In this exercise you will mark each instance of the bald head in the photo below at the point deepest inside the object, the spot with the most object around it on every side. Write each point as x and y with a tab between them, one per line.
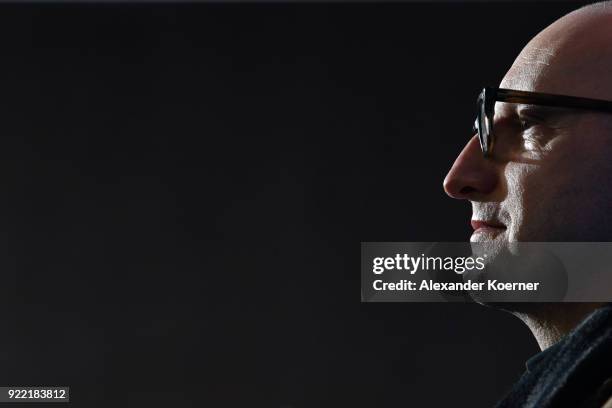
571	56
549	175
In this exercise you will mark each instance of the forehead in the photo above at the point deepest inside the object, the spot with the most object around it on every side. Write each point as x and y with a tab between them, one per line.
530	68
573	56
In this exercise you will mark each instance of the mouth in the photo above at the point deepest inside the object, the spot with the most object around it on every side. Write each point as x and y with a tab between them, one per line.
489	228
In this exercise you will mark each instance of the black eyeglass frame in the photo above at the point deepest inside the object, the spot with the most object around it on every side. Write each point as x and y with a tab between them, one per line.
483	124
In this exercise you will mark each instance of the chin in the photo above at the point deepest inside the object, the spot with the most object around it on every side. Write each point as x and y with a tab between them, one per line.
489	235
490	244
512	262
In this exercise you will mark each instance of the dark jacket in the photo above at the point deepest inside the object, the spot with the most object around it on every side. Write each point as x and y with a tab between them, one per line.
575	372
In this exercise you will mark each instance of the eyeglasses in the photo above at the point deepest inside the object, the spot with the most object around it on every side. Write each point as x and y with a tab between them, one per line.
483	124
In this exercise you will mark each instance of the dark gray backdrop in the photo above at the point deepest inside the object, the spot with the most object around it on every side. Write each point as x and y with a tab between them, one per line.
185	187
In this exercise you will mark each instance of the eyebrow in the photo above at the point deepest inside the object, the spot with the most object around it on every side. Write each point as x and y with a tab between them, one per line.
544	113
510	116
518	109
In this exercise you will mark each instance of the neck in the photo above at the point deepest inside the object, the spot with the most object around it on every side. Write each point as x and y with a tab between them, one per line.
550	322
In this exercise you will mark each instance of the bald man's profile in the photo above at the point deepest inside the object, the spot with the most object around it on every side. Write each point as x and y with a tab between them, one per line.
539	169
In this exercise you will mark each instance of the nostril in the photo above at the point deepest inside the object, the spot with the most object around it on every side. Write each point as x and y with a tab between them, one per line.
467	190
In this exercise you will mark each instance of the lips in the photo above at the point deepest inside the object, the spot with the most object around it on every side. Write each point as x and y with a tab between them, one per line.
487	225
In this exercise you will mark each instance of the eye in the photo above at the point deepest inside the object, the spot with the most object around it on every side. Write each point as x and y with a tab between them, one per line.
525	123
528	119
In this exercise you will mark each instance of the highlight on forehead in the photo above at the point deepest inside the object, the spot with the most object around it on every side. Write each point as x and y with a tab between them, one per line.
573	55
538	55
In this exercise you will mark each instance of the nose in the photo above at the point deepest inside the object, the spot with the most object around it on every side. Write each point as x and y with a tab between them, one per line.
472	176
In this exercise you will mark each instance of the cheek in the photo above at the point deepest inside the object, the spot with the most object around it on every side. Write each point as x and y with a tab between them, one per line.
562	198
584	189
528	196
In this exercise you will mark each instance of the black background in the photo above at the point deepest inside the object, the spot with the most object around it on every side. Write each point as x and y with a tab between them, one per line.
185	187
